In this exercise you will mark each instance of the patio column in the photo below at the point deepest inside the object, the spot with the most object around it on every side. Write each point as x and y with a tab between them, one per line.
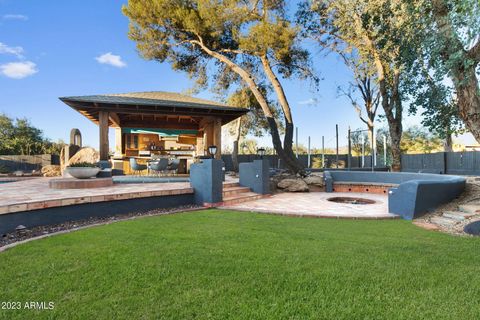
217	137
103	126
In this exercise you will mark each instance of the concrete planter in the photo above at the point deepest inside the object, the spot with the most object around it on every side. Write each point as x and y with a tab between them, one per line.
82	172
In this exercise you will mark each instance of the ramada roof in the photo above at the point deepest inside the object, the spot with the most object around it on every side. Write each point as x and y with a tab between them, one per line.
152	103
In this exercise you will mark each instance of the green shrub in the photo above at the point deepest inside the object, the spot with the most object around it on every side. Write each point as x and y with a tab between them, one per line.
82	165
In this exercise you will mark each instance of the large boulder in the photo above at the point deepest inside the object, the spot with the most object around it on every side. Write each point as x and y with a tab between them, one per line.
51	171
87	154
314	180
293	185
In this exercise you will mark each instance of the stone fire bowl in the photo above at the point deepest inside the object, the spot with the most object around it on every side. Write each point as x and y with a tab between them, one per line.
82	172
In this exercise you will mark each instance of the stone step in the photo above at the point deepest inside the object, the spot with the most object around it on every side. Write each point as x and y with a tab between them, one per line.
442	221
231	191
230	184
470	208
243	197
457	215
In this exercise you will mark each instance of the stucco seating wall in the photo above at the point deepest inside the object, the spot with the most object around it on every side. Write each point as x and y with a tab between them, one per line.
410	195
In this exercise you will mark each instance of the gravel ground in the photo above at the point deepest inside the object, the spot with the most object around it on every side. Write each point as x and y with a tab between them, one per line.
10	238
471	195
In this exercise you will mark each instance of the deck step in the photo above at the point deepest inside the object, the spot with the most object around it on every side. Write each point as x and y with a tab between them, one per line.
230	184
242	197
231	191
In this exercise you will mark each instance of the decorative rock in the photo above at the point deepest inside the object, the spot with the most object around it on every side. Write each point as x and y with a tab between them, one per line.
470	208
293	185
444	222
89	155
456	215
51	171
314	180
18	173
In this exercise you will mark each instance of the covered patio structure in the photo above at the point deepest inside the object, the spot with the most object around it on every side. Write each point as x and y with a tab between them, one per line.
156	124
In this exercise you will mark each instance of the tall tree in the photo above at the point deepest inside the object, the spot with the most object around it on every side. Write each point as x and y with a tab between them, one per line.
249	42
384	33
435	97
18	136
252	123
364	84
455	41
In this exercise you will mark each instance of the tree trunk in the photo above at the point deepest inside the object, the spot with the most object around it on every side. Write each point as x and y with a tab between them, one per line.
236	142
289	126
285	155
392	106
448	143
462	69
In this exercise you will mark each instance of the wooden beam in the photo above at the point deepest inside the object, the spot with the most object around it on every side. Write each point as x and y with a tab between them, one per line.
103	125
217	137
159	125
114	119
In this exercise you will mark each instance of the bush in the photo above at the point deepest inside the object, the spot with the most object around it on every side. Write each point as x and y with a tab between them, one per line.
82	165
4	169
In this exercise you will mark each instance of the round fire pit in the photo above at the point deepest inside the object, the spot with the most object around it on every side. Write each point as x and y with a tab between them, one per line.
473	228
351	200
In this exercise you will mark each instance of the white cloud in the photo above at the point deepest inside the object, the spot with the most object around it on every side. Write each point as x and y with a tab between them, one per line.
16	51
18	70
111	59
15	17
309	102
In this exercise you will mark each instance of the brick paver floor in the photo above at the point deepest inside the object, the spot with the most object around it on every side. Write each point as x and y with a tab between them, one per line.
315	204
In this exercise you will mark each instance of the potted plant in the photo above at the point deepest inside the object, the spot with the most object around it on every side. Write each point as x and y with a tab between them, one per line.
83	170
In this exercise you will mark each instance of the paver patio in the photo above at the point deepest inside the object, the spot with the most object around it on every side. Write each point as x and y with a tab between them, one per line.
35	194
315	204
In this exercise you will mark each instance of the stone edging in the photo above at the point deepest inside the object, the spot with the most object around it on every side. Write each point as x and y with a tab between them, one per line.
35	205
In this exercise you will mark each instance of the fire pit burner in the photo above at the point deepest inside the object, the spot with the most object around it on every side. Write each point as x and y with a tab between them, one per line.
351	200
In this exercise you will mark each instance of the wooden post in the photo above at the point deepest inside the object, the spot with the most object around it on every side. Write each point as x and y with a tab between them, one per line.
103	125
349	159
217	137
118	141
336	139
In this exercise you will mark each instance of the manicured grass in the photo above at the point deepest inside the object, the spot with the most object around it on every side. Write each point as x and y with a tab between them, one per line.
219	264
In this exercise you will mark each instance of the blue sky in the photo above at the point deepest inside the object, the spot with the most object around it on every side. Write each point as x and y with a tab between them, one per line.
53	45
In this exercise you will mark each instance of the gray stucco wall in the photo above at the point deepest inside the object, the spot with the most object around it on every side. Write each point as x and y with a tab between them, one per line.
256	176
416	194
206	178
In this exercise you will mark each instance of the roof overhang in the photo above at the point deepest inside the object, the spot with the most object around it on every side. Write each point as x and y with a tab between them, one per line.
137	112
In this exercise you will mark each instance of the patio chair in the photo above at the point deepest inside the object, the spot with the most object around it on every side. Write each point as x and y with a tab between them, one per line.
174	166
159	166
137	168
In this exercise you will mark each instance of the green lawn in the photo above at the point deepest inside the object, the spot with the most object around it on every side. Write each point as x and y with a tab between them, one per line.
220	264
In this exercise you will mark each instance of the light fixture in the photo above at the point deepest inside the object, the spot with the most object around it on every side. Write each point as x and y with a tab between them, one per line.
212	150
261	152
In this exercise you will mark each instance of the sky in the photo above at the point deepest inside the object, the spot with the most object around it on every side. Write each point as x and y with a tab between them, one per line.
50	49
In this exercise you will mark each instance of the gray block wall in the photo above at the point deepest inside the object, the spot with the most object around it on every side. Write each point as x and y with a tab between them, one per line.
256	176
206	178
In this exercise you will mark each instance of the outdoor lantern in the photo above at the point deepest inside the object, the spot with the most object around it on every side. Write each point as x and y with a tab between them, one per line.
212	150
261	152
